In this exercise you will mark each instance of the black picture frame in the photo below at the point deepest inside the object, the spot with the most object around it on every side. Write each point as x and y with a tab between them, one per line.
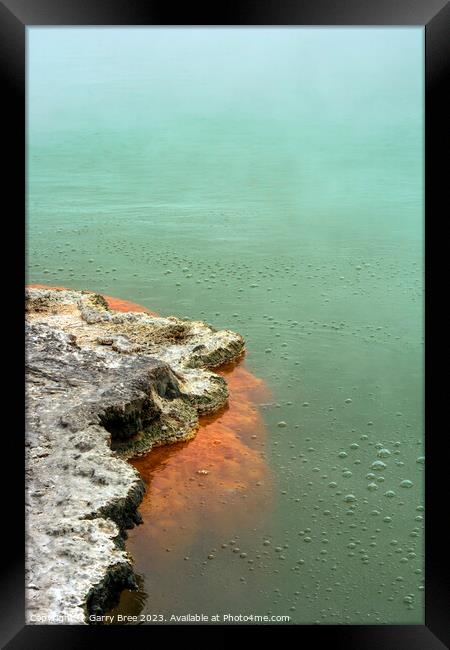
434	16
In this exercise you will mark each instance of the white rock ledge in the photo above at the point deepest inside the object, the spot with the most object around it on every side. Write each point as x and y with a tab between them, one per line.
95	377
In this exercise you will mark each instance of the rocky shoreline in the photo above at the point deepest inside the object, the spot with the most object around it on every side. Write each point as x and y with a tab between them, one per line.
102	386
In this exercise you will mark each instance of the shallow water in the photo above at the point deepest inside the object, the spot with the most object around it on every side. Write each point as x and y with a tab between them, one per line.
269	181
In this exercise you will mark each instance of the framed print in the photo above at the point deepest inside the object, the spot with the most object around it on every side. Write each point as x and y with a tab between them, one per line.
227	404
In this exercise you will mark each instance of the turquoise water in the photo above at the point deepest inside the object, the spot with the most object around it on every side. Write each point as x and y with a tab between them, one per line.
269	181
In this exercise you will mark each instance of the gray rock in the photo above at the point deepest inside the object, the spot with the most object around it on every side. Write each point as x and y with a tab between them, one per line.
101	386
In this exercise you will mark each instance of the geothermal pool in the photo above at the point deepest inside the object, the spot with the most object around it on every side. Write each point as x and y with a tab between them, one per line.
283	200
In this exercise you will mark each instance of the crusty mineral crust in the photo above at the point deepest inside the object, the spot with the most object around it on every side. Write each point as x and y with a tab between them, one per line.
97	378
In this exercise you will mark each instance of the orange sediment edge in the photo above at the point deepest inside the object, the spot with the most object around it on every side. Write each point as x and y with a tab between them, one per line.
217	482
118	304
220	476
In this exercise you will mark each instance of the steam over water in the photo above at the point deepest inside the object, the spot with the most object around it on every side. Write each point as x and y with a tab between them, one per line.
268	181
